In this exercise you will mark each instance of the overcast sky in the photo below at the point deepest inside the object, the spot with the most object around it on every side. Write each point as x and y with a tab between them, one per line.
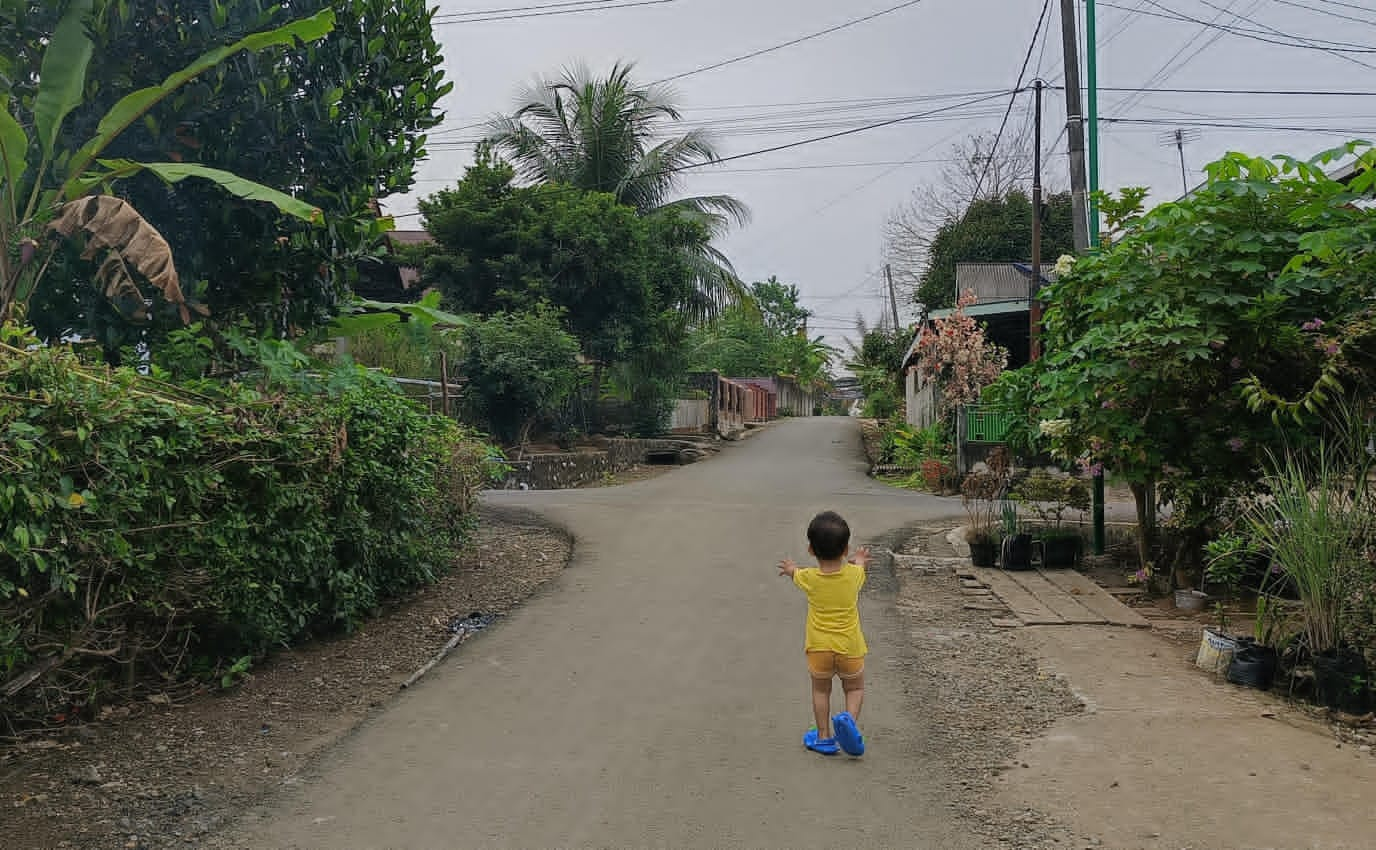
821	227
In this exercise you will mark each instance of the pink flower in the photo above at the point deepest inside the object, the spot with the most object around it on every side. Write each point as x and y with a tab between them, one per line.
1109	404
1312	324
1331	349
1235	363
1236	444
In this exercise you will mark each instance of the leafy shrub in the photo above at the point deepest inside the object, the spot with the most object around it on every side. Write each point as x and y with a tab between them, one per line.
1050	496
156	528
520	367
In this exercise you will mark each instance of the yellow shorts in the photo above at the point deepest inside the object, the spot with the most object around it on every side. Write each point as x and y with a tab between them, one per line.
824	665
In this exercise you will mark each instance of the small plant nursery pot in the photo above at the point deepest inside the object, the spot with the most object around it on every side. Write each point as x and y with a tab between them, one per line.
1340	682
984	553
1190	600
1017	552
1061	552
1254	666
1216	651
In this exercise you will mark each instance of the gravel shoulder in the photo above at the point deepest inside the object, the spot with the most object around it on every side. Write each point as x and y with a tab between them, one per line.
152	775
985	698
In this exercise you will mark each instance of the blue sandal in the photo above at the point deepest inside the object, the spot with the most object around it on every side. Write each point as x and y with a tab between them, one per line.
847	734
825	746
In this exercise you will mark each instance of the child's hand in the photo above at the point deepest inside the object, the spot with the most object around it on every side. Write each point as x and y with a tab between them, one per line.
787	567
862	557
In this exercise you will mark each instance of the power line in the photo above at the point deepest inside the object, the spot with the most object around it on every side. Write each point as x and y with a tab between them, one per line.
447	21
801	142
1340	53
1238	125
540	7
1164	72
1017	87
1296	41
1323	11
853	22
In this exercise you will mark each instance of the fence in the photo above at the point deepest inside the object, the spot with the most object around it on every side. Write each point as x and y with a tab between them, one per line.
978	430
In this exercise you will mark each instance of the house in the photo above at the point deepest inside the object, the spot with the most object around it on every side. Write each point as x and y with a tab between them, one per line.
1003	307
384	279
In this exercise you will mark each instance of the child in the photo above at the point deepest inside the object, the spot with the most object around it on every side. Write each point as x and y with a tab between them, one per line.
834	643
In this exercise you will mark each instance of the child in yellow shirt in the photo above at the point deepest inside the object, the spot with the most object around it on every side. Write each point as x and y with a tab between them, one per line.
834	644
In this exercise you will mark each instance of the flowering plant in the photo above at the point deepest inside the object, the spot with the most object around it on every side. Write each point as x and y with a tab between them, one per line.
958	356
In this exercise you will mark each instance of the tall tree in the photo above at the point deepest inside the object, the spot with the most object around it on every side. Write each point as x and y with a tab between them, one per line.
339	121
974	170
998	230
611	135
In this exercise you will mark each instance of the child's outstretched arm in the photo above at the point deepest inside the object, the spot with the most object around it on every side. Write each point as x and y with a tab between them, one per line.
787	567
862	558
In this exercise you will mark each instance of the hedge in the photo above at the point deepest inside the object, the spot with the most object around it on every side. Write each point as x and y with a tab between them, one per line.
150	531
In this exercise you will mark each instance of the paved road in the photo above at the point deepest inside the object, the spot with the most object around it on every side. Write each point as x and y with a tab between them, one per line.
655	694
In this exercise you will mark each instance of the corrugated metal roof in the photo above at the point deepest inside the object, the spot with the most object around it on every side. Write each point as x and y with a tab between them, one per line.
998	281
410	237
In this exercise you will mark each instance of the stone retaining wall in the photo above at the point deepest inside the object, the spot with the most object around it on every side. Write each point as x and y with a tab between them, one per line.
562	470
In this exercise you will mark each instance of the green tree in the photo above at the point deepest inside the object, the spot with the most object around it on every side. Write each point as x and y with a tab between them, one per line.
504	248
997	230
1171	353
339	120
767	338
520	367
611	135
46	176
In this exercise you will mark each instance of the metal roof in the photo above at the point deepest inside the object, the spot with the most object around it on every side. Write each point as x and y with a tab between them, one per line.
998	281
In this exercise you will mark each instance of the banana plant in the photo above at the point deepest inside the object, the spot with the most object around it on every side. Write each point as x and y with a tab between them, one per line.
50	190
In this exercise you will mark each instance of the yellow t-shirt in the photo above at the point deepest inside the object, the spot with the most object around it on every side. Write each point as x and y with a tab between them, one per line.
833	612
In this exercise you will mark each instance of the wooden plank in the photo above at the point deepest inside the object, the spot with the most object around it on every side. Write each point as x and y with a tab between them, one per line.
1063	604
1096	599
1024	605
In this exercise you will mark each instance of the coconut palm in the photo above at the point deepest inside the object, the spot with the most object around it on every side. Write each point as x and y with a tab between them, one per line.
600	135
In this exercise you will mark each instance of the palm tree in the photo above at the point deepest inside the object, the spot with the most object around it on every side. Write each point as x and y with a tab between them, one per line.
599	134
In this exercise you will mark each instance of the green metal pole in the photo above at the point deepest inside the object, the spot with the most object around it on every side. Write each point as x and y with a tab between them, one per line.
1092	78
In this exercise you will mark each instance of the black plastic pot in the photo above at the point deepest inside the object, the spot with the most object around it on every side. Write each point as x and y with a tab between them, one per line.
1061	552
1017	552
984	553
1341	681
1253	665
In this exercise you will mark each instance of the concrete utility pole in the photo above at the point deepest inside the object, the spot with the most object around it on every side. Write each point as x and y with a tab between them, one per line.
1034	304
1075	126
893	299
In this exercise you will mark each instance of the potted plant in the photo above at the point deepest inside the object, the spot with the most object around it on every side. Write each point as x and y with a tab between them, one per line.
979	495
1017	544
1312	523
1255	661
1049	497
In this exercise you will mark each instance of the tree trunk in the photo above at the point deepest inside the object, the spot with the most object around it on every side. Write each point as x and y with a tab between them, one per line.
1144	497
595	407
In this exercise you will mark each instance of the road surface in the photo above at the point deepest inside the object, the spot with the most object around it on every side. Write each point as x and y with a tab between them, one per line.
655	695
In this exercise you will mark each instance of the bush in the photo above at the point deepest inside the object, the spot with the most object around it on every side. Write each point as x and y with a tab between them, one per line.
150	529
520	367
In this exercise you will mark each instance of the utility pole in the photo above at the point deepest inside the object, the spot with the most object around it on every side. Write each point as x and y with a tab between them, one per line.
1034	304
1075	125
893	299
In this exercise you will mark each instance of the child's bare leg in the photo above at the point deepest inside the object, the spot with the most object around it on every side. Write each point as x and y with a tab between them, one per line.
821	706
855	694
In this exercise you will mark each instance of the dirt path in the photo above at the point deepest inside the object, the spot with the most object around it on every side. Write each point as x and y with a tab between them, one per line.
162	775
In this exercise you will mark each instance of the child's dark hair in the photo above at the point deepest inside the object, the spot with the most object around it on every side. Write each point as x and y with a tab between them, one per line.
829	535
